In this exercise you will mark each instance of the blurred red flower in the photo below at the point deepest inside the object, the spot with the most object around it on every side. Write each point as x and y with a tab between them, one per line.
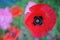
16	11
12	34
40	20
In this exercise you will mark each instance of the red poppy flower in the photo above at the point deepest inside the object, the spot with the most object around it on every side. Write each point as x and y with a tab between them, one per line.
40	20
16	11
12	34
1	37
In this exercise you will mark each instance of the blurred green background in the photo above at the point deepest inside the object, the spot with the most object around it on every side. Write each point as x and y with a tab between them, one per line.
18	22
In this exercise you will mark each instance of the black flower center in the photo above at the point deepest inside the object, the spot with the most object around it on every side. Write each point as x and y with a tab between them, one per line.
38	20
12	34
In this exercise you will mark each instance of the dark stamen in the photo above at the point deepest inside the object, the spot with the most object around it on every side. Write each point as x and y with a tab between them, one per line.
38	20
12	34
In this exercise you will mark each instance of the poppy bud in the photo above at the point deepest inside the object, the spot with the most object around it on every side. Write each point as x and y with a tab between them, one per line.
16	11
39	20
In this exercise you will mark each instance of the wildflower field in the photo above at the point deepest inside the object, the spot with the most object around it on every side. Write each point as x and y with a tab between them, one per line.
13	25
